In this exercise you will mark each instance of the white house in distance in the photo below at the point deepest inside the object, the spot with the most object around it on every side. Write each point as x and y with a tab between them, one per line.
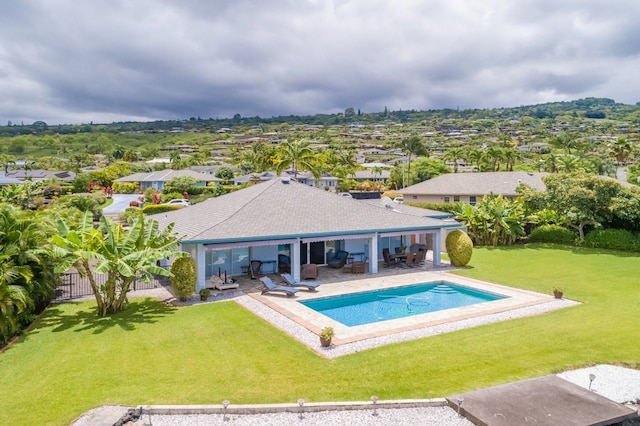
304	223
157	180
470	187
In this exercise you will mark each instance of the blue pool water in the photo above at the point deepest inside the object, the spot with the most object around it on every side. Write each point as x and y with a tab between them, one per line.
399	302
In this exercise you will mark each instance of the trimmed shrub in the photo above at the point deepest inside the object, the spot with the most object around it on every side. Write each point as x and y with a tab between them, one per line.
125	187
441	207
183	280
615	239
160	208
552	234
459	247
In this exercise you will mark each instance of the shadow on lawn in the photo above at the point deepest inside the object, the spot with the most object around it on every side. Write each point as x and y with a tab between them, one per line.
138	311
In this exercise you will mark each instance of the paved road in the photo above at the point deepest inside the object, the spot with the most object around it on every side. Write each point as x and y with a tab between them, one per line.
120	203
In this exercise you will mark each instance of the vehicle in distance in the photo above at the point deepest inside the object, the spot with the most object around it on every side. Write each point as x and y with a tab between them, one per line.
182	202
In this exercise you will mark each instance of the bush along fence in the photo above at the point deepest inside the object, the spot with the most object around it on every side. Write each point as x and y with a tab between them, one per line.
75	286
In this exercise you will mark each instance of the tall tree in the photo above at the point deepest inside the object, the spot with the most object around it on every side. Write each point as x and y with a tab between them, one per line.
122	254
412	146
296	155
454	154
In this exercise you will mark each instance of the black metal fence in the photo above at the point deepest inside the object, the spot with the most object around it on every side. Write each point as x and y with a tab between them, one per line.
75	286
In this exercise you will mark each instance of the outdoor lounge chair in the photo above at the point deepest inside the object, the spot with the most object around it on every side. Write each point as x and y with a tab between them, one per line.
339	260
271	287
311	286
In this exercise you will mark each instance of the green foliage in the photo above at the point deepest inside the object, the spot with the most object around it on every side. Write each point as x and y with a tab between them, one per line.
297	155
160	208
27	277
327	333
224	173
123	255
581	199
179	185
459	247
184	277
615	239
441	207
494	221
130	213
125	187
552	234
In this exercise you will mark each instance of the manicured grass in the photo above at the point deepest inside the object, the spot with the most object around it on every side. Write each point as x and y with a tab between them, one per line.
154	354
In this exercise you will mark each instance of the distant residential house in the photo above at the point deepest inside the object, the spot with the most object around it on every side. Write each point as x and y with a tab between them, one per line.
22	174
325	181
254	177
164	160
4	180
371	175
158	179
470	187
213	169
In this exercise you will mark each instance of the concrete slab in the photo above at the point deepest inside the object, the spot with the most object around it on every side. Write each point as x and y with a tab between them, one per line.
547	400
106	415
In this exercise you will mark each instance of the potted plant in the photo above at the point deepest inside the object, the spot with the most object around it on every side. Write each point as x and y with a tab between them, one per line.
558	292
205	293
325	336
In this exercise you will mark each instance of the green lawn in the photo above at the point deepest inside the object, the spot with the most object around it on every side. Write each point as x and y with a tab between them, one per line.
154	354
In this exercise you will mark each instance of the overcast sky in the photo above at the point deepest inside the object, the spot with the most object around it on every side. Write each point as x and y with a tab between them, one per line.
77	61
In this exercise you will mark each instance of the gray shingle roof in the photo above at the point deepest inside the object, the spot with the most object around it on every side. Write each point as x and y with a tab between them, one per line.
166	176
277	210
504	183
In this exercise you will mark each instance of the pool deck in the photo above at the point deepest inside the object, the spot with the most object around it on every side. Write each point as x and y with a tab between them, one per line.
314	321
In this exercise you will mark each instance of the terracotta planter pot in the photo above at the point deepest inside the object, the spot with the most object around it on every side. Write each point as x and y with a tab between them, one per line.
325	343
558	294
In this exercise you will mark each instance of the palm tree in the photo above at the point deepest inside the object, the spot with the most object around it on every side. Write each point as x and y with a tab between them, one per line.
565	142
294	155
510	157
493	155
474	157
412	146
621	149
454	154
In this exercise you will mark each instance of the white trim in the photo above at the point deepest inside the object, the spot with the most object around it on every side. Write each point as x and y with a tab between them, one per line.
337	238
224	246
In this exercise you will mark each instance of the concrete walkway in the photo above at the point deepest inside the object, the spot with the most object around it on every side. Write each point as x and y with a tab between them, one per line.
545	401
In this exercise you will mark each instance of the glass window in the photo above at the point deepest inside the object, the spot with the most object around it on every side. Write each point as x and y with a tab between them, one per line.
456	198
472	200
446	199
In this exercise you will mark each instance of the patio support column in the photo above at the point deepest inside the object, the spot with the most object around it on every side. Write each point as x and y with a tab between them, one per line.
295	260
200	266
373	254
437	240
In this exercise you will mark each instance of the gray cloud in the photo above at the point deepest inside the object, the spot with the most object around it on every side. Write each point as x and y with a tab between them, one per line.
64	61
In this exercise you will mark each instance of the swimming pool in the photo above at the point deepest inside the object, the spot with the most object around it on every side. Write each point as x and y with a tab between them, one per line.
398	302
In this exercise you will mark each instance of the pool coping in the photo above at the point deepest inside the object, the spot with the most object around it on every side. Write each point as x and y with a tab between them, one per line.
519	303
